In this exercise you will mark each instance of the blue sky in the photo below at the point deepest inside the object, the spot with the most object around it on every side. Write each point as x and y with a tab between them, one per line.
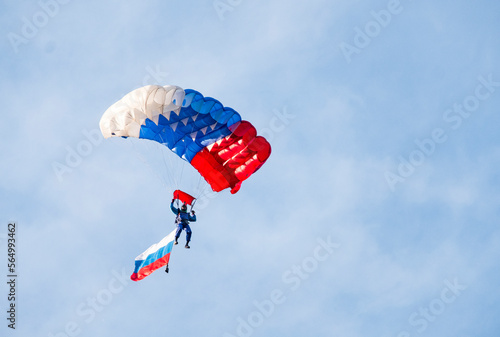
376	214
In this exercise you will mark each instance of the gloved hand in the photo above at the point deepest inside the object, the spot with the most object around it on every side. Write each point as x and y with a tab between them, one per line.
173	201
192	212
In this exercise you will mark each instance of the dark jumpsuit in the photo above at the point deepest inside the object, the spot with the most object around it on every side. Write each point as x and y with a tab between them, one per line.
182	222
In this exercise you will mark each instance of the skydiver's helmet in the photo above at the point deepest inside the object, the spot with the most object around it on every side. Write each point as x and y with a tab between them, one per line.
184	208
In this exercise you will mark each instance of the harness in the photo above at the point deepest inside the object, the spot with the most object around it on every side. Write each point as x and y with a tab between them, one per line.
182	217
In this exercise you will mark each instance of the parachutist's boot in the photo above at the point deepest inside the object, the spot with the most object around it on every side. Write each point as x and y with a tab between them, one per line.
187	245
176	243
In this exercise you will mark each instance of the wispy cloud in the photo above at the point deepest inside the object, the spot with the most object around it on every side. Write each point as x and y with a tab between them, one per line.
335	127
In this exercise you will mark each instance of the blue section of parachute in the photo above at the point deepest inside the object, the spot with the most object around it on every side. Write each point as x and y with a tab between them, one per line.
201	121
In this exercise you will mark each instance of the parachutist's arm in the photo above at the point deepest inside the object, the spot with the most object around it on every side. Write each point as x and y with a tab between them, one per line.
192	218
173	208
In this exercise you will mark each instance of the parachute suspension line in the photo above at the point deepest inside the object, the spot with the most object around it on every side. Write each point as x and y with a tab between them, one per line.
167	161
143	160
198	185
203	192
173	167
164	177
146	148
182	169
204	188
165	165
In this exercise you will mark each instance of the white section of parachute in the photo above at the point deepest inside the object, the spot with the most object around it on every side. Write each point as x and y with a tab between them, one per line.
125	117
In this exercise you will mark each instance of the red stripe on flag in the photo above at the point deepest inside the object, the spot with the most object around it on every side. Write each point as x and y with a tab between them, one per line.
147	270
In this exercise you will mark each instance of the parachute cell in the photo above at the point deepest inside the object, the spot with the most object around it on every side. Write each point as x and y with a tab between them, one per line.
234	158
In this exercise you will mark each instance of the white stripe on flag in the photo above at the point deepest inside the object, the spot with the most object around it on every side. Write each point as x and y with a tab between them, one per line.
154	248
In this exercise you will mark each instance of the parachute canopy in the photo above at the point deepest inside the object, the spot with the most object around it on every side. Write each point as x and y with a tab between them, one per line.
212	138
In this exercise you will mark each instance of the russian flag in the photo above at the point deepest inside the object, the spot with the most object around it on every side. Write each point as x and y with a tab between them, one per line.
153	258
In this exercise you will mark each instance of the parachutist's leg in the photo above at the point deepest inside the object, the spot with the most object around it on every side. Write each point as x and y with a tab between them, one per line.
188	233
178	233
188	236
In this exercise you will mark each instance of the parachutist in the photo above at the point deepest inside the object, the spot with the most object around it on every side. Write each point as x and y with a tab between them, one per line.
182	221
213	139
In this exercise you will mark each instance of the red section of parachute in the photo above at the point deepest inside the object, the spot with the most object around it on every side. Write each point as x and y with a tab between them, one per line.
183	196
231	160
